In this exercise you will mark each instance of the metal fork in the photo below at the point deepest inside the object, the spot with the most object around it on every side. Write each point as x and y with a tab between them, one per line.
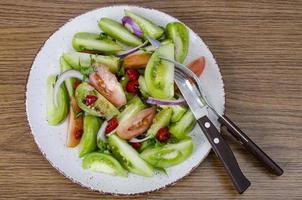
240	136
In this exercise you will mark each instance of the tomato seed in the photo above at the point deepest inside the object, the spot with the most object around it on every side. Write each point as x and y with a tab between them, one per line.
78	134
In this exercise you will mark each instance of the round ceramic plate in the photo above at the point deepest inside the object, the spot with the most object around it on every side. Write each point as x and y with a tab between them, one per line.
51	139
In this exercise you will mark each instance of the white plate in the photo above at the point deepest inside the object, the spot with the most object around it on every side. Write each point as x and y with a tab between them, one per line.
51	139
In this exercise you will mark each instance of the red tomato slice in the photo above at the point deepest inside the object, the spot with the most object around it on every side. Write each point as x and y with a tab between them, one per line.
107	84
198	65
137	124
75	124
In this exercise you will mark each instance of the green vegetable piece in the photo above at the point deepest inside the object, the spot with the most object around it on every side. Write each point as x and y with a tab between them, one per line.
134	106
112	62
119	32
101	144
142	86
104	163
124	80
181	128
83	41
101	107
56	114
161	119
177	112
169	154
159	74
128	157
179	34
77	60
148	27
69	83
147	144
88	142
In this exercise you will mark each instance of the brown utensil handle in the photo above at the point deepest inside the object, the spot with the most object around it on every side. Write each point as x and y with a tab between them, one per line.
244	140
225	154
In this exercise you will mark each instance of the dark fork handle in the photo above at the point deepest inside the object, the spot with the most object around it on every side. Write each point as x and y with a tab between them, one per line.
243	139
225	154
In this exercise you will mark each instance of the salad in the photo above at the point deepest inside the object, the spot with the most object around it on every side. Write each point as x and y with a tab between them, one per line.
124	112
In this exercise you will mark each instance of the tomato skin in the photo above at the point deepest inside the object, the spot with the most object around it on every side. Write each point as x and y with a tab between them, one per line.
136	61
197	66
75	125
107	84
76	83
137	124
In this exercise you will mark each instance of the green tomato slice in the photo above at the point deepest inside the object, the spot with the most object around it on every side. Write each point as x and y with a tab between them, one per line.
104	163
159	74
56	114
169	154
88	142
128	156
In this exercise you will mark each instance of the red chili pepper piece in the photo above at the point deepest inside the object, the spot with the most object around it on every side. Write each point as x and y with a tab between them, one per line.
90	99
132	74
112	124
78	134
163	135
132	87
136	145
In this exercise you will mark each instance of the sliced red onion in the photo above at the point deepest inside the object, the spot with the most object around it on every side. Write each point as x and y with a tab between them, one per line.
101	132
132	26
133	140
155	43
179	101
130	51
62	77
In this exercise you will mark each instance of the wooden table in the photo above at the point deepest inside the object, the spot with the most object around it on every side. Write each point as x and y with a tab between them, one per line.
259	49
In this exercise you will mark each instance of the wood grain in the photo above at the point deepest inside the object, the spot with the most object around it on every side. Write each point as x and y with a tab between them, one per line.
258	45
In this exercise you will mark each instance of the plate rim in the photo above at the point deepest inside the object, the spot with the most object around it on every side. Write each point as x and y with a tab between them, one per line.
57	168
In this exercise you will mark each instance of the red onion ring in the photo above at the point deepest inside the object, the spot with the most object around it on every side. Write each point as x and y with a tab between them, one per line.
130	51
132	26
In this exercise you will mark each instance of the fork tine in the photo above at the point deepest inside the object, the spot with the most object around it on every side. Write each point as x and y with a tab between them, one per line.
181	74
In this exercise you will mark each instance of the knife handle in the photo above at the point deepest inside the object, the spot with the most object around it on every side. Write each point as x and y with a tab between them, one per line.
245	141
225	154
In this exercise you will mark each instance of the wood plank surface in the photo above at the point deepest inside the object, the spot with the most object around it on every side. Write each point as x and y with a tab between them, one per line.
258	45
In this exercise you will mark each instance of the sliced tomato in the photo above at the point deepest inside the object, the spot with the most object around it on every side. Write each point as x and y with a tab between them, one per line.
75	124
136	61
107	84
198	65
137	124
